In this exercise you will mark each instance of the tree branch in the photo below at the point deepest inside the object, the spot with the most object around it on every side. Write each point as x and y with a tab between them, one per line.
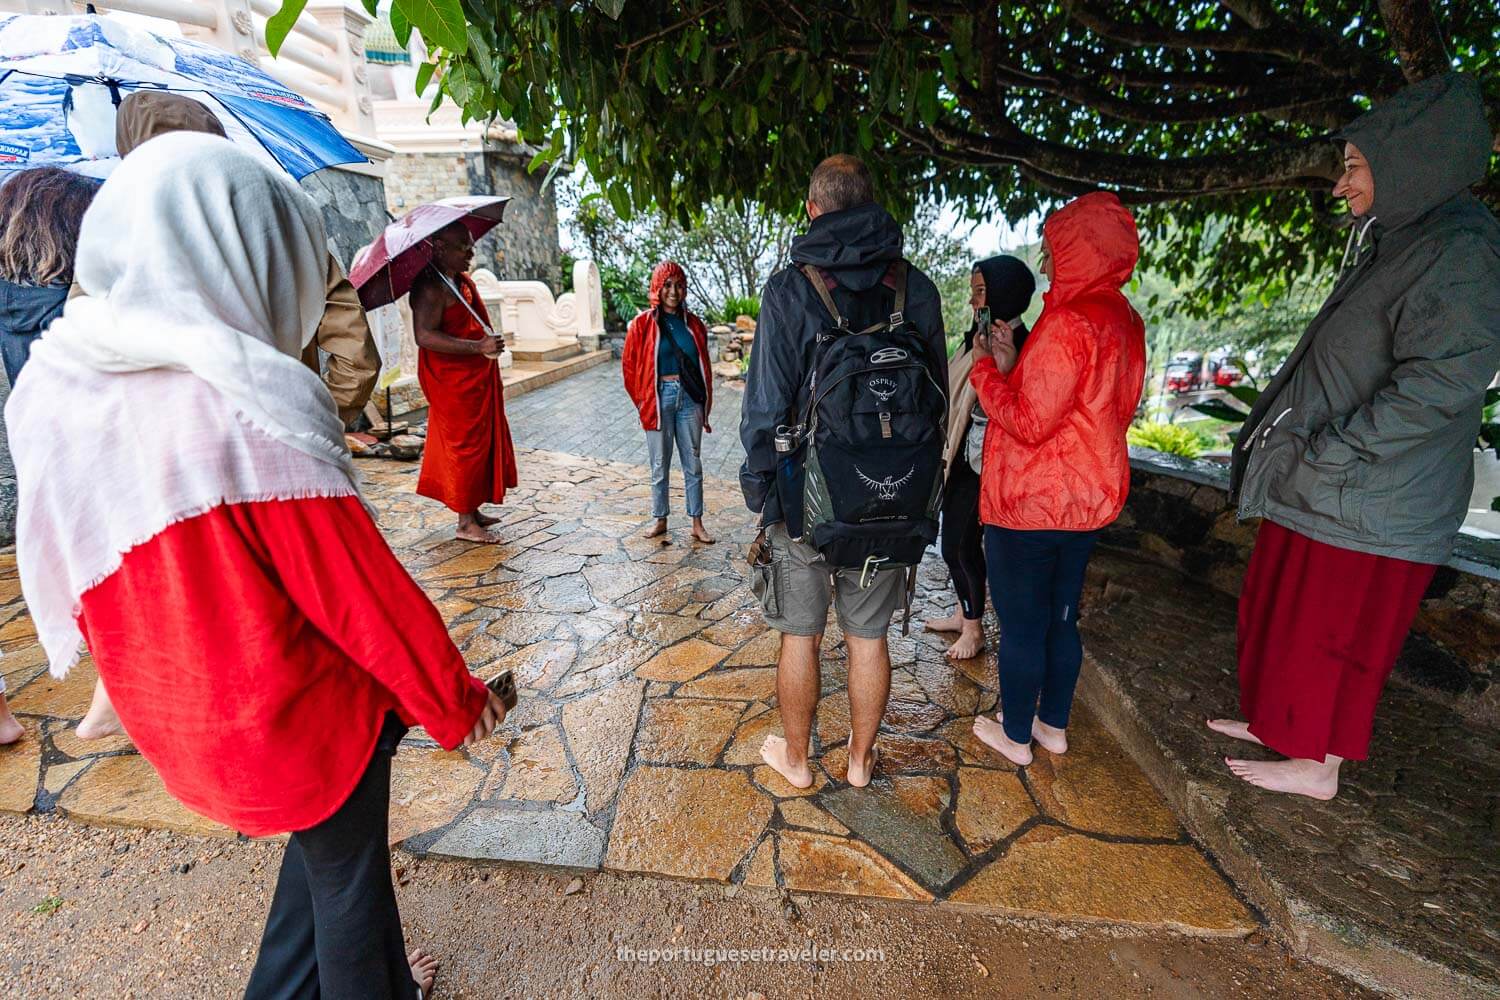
1416	37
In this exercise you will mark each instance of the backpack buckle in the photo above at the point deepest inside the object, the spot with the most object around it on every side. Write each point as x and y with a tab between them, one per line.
897	318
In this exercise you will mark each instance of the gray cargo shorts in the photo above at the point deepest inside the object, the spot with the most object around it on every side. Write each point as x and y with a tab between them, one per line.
797	586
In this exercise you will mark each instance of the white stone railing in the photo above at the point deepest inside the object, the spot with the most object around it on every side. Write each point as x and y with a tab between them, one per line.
323	58
532	320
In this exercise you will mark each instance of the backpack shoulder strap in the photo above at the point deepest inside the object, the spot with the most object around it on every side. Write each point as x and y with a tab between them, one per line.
815	277
898	272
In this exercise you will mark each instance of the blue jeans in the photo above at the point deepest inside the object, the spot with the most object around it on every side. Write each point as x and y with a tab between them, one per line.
15	349
1036	580
680	420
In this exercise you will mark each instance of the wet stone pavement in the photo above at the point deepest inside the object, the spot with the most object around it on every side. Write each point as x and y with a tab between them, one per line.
589	414
647	688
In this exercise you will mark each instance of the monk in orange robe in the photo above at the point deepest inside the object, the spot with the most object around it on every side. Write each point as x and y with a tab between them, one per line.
469	459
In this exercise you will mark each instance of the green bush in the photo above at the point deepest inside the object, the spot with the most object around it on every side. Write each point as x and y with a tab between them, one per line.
740	305
1172	439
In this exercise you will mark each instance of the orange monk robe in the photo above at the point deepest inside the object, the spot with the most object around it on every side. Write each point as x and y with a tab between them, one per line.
469	459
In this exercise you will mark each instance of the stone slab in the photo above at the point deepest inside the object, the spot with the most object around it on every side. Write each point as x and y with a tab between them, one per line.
599	728
126	791
897	831
816	862
687	824
1050	871
428	789
991	806
557	837
685	731
20	769
538	770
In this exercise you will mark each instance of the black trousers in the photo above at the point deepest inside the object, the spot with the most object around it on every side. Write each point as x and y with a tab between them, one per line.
333	932
962	538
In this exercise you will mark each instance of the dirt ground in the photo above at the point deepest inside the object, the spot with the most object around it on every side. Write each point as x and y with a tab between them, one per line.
100	912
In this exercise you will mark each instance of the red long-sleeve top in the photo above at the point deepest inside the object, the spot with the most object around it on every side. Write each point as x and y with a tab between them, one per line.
252	653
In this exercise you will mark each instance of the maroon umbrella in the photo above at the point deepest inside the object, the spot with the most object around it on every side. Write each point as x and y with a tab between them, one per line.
386	271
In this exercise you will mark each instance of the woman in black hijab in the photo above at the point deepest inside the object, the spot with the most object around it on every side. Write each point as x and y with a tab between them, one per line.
1000	288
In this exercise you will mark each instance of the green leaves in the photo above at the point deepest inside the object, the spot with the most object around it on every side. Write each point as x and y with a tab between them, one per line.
279	24
424	76
400	26
927	97
1219	410
673	105
441	22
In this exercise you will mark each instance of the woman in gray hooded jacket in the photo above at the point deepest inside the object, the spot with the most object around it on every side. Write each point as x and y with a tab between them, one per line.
1359	454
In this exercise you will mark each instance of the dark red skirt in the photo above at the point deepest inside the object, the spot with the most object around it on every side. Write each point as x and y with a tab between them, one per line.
1319	631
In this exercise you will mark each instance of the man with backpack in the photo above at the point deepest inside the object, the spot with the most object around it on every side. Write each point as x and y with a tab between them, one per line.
843	424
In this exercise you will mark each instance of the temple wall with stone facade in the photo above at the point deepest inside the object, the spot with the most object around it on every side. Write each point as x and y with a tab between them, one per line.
353	207
523	248
1179	516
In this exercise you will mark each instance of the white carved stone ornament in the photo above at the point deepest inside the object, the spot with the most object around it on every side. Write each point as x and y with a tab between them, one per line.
242	22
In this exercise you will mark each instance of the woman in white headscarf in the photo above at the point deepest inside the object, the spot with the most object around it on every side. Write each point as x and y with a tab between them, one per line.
188	506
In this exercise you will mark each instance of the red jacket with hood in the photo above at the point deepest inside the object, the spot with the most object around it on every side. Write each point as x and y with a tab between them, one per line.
1055	456
639	360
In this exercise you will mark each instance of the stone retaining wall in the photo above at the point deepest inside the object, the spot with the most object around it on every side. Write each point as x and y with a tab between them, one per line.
1179	516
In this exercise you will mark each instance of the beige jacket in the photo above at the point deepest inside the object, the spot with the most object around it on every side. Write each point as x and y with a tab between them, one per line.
961	401
344	334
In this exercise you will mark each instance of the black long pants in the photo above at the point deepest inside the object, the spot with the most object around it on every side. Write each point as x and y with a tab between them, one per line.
1036	581
962	540
333	932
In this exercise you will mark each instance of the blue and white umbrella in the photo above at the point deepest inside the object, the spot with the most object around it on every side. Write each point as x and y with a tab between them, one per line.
62	77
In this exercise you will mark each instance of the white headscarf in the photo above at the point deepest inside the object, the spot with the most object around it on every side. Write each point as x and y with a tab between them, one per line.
173	385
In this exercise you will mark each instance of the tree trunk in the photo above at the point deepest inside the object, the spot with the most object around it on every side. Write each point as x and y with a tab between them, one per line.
1416	36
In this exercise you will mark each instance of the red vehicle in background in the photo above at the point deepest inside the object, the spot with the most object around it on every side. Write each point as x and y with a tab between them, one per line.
1228	374
1184	373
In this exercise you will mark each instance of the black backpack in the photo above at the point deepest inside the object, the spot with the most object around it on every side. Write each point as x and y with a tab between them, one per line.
875	424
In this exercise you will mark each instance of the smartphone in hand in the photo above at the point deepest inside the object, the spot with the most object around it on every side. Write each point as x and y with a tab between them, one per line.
504	685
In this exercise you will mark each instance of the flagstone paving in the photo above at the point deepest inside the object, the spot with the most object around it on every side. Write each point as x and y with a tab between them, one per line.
647	687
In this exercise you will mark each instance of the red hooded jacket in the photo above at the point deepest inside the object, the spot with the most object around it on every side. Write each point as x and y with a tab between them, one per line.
1055	456
639	360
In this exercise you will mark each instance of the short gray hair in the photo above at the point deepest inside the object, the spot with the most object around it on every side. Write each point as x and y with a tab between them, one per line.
839	182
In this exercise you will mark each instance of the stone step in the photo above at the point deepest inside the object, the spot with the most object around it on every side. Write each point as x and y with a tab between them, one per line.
562	352
1388	884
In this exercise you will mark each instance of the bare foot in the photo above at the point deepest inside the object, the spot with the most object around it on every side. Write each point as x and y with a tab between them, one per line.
859	774
424	969
1299	777
1052	739
992	734
970	641
657	529
101	720
953	623
1234	727
10	729
485	520
700	533
775	752
476	533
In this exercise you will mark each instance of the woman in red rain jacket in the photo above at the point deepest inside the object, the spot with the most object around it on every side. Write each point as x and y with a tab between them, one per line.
1056	466
668	375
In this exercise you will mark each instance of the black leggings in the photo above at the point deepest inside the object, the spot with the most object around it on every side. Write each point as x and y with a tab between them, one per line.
963	538
333	932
